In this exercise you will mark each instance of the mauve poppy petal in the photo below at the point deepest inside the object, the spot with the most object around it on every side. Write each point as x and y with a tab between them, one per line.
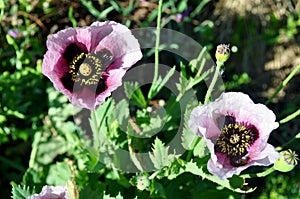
207	121
200	122
51	192
108	39
122	43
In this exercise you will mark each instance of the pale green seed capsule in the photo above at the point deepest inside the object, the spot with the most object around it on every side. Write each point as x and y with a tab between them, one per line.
287	161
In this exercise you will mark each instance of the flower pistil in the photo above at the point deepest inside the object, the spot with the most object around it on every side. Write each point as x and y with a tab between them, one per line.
85	69
234	141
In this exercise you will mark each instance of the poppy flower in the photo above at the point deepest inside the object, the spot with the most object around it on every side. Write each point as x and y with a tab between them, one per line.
236	131
88	63
51	192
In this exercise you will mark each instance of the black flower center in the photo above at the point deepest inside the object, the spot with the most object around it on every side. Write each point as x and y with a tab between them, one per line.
85	69
235	140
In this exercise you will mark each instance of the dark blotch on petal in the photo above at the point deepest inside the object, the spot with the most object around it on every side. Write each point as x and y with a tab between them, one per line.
253	132
72	51
101	86
229	120
69	84
106	58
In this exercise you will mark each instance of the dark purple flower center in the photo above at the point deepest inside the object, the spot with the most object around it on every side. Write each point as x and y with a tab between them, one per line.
86	69
235	140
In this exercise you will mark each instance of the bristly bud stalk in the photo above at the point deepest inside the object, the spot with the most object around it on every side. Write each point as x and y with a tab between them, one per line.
222	53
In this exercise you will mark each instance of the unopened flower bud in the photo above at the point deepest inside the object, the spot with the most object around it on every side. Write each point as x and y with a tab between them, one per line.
287	161
141	182
222	53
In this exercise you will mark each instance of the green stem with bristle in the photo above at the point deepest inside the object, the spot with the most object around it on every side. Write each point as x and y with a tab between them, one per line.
213	82
156	54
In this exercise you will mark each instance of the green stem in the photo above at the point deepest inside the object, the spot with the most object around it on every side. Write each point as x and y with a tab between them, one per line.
297	136
290	117
213	82
194	143
283	84
158	27
259	175
157	42
37	138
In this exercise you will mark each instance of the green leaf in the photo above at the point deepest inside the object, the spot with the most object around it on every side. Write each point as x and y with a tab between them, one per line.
94	11
187	139
236	182
135	94
34	178
160	83
51	148
156	124
121	113
132	154
98	122
194	169
182	6
176	168
119	196
157	191
19	192
59	174
159	155
201	149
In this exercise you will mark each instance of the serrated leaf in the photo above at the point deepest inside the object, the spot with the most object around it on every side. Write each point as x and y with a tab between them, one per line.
121	113
33	177
201	149
187	139
176	168
98	122
19	192
49	149
135	94
159	156
194	169
133	156
119	196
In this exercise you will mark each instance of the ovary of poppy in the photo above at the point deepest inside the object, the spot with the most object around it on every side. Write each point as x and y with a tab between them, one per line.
88	63
236	132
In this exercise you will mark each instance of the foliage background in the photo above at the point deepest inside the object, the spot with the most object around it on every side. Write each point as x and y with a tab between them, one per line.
266	34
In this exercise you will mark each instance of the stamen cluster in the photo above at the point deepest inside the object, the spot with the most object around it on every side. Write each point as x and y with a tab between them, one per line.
234	141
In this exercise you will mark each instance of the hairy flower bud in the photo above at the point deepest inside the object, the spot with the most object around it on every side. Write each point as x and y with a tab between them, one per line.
222	53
